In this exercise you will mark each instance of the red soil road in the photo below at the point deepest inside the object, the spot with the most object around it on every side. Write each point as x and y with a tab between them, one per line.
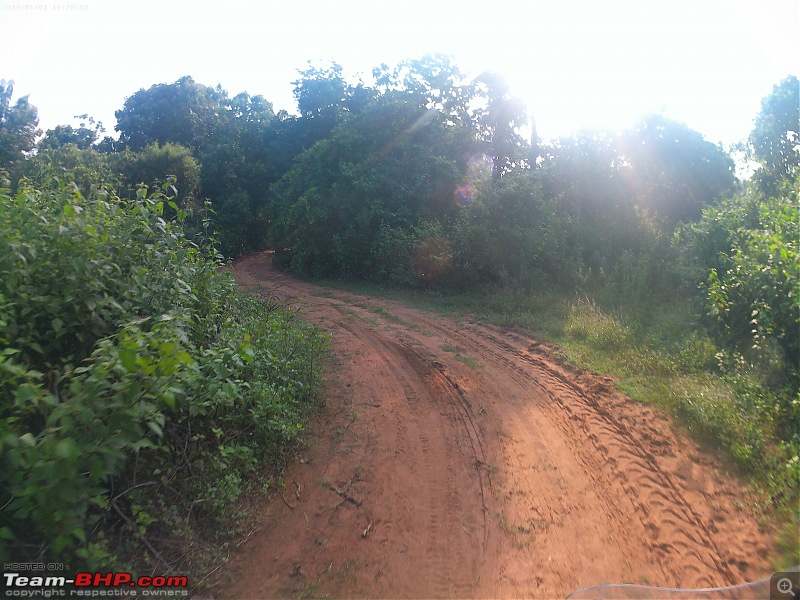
456	460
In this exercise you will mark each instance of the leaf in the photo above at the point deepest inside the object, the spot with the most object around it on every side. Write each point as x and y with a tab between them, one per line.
24	394
28	440
184	357
127	357
67	448
100	501
167	348
248	354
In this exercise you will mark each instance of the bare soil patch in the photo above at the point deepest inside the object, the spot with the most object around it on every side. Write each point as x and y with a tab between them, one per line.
459	460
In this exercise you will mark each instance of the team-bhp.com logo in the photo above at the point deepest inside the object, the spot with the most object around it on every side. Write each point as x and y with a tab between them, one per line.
95	585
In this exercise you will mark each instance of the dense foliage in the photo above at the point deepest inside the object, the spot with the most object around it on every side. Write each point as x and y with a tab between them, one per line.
381	171
138	387
775	140
18	125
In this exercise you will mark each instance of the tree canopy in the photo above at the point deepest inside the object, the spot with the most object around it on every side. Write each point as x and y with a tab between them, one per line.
86	135
672	170
184	112
18	125
775	139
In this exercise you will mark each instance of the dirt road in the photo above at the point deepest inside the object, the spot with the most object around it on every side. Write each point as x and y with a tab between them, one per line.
458	460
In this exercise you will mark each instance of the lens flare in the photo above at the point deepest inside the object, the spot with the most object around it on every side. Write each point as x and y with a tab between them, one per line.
464	195
479	170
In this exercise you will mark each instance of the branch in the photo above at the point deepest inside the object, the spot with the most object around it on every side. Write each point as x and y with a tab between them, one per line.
345	495
137	533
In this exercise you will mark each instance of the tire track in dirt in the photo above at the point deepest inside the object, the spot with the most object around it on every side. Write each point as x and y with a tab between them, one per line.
452	568
554	508
672	508
486	466
665	513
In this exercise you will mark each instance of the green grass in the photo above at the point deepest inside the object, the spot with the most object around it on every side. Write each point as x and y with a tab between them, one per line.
467	360
379	310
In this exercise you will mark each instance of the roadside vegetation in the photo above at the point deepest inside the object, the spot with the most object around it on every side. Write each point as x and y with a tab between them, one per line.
638	252
141	392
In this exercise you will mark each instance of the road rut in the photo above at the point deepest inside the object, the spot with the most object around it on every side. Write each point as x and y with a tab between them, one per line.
454	459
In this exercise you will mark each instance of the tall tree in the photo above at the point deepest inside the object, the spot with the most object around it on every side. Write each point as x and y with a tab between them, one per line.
323	98
239	165
434	82
775	139
499	121
672	170
321	92
18	125
184	112
380	171
584	172
84	136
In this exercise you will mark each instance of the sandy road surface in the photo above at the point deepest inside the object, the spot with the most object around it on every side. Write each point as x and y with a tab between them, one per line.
459	460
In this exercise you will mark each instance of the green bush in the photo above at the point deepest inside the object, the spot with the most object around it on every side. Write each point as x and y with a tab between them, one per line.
87	167
138	387
746	250
380	174
155	164
748	247
756	294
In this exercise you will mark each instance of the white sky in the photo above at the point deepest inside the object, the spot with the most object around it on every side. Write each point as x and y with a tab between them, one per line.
577	63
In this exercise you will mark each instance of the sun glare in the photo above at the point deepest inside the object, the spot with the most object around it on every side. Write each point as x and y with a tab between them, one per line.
575	63
592	65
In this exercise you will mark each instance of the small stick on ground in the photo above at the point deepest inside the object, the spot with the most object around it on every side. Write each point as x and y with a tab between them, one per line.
353	418
286	502
335	506
297	493
345	495
365	533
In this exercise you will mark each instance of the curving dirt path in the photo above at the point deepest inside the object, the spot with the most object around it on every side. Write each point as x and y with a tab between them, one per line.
459	460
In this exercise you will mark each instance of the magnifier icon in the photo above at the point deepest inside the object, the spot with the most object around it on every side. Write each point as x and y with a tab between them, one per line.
784	585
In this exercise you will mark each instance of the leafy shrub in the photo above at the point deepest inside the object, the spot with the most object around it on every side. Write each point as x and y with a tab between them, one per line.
386	169
748	246
86	167
155	164
756	293
138	387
